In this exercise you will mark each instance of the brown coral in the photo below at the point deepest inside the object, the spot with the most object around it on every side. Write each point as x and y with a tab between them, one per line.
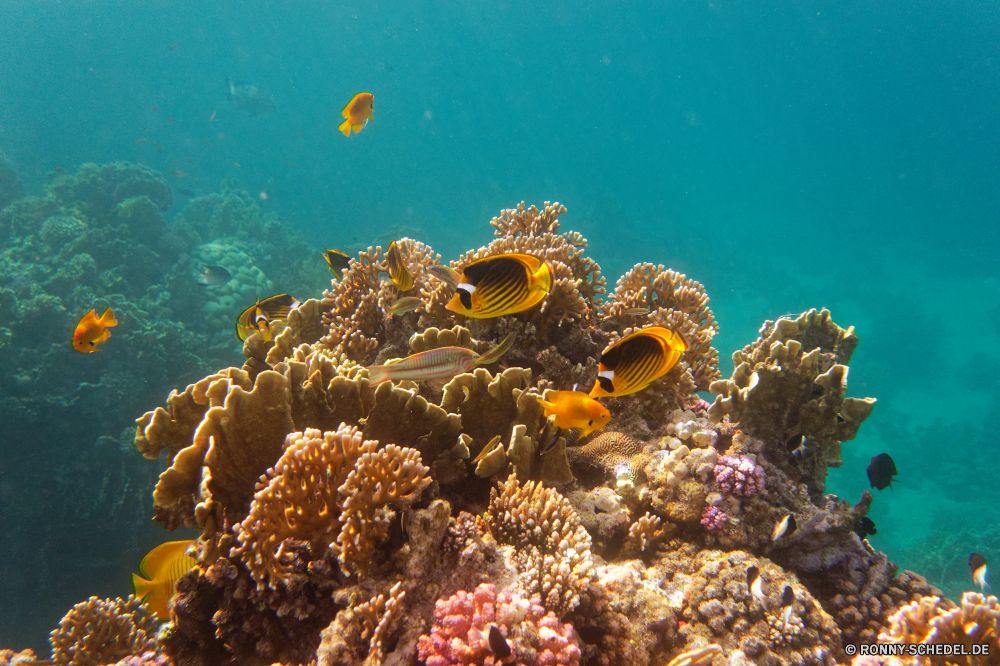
552	549
102	631
933	620
793	381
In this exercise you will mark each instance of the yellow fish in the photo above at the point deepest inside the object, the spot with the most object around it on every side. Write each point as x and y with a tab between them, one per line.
575	409
630	364
160	570
397	268
501	285
258	317
358	112
92	331
337	261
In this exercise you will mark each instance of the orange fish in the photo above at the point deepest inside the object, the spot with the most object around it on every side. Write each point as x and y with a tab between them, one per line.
575	409
160	570
358	112
92	331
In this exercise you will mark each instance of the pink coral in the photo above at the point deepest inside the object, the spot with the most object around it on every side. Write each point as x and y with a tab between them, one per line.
739	475
462	623
713	518
145	659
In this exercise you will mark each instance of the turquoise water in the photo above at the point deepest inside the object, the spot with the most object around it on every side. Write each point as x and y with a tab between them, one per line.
785	154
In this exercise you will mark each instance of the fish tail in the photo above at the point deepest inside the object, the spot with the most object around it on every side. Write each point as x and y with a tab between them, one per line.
141	586
542	279
345	127
108	318
378	374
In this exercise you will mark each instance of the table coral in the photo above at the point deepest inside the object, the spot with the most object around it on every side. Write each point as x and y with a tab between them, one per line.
463	621
101	631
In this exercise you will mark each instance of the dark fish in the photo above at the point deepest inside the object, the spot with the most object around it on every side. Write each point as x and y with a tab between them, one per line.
397	268
501	285
258	317
755	584
787	603
784	526
337	261
633	362
864	527
881	471
796	444
248	97
213	276
977	564
498	644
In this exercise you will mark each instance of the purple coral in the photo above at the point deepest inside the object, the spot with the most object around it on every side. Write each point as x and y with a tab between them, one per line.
739	475
713	518
462	624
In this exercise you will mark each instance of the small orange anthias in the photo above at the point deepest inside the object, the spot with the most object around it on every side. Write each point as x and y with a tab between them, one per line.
358	112
92	331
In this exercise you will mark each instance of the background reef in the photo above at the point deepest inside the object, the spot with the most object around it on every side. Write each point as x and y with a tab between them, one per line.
100	237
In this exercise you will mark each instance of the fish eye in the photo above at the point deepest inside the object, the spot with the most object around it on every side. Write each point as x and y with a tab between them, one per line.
590	422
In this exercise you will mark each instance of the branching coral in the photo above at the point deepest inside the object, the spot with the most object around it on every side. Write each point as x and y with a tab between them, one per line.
102	631
463	622
552	548
932	620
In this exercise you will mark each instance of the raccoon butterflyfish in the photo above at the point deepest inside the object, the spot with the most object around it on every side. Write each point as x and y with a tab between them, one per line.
258	317
397	268
158	574
630	364
337	261
92	331
881	471
501	285
438	364
358	112
213	276
575	409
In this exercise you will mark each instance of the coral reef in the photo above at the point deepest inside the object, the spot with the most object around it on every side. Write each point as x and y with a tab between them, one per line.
10	184
451	522
932	620
101	631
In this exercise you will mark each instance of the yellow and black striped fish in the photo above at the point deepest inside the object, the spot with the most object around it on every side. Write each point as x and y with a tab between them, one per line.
258	317
501	285
630	364
337	261
397	268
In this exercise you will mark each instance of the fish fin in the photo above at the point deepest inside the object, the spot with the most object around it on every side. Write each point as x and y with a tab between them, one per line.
542	279
140	586
377	375
357	127
494	354
549	407
345	127
157	559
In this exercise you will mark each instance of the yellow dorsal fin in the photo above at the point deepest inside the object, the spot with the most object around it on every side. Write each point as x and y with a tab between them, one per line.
158	559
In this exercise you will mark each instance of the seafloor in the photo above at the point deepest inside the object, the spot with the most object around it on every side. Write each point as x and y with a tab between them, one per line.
346	523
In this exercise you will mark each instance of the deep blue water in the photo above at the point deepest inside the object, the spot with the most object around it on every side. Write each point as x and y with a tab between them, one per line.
786	154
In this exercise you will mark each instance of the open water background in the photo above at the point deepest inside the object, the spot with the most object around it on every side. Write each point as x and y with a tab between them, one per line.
787	155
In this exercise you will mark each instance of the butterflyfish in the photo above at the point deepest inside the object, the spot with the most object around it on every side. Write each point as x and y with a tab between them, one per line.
403	305
501	285
881	471
977	564
258	317
446	274
755	584
358	112
630	364
397	268
213	276
438	364
337	261
158	574
92	331
575	409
